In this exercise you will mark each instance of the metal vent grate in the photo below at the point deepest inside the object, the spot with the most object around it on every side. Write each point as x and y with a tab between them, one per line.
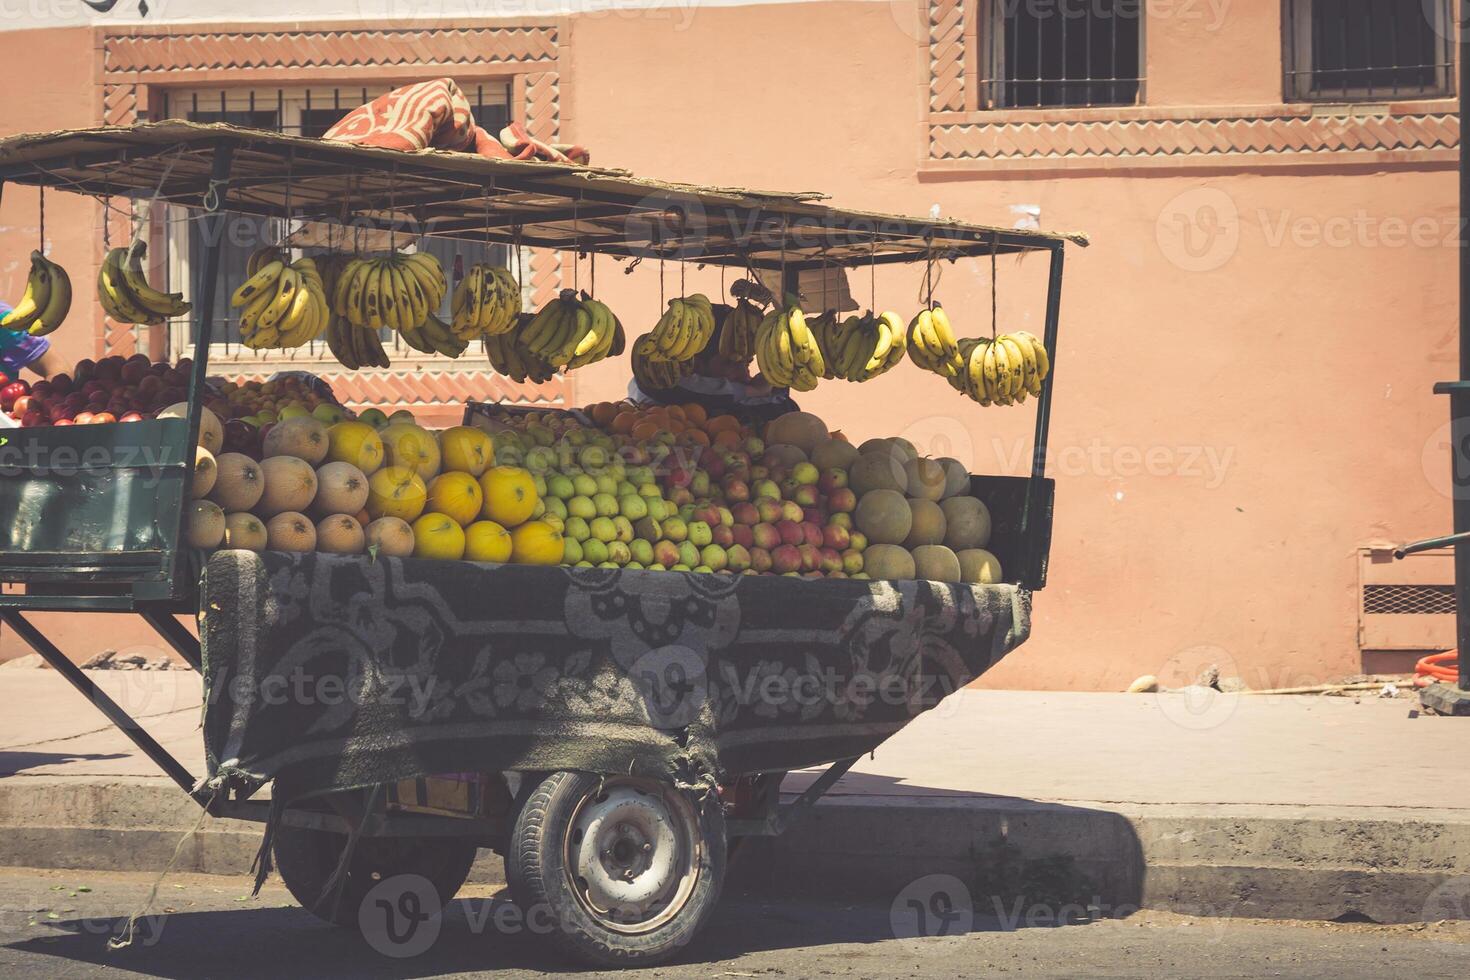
1408	600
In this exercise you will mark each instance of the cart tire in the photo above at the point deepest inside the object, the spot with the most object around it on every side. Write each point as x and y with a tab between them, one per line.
306	860
626	871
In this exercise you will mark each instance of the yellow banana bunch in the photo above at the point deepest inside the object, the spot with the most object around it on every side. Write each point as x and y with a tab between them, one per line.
869	346
685	328
1002	371
396	291
485	302
123	290
737	339
46	302
652	370
932	345
786	350
284	306
829	335
508	355
605	338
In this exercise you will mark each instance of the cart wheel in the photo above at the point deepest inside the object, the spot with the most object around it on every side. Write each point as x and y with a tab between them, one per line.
627	869
306	860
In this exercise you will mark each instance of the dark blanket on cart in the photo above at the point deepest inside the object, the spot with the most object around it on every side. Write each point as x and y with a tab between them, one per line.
327	672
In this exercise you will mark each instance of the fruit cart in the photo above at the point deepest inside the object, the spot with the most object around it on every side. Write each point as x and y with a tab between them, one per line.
592	717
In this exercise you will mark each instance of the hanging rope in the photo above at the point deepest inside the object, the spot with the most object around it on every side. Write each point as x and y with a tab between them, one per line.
42	222
576	243
994	283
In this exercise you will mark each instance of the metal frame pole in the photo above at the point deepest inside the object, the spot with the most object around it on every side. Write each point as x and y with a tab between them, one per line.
115	714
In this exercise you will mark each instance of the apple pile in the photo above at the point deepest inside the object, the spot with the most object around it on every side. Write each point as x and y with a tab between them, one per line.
112	389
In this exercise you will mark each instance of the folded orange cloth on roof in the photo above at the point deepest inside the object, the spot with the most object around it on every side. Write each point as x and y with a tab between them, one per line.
436	115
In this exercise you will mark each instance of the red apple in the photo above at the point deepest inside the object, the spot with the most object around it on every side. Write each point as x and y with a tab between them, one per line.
830	561
807	495
737	558
709	513
746	513
736	490
785	559
743	535
841	520
722	535
769	511
63	422
85	370
791	511
132	372
760	560
32	419
11	392
130	417
836	536
811	557
766	536
814	515
40	389
791	532
842	500
852	561
833	479
25	403
84	418
812	532
103	417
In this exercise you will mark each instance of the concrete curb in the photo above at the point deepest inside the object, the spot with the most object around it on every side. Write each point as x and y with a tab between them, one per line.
1017	858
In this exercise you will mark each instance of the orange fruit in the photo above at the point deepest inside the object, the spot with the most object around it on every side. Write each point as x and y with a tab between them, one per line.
697	436
694	412
676	412
725	439
646	430
603	413
624	422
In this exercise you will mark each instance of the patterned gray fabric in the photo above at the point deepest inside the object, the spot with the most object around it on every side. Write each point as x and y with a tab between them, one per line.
328	672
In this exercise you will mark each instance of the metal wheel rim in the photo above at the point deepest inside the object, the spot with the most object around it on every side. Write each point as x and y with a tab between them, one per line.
606	836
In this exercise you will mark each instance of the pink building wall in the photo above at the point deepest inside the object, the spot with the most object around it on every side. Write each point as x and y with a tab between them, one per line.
1235	415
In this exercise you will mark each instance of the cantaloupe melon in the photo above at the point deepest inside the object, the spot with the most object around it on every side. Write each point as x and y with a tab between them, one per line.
238	483
888	561
206	525
801	429
245	531
290	531
967	522
834	454
924	478
391	536
956	476
884	516
340	534
211	432
206	471
904	448
304	437
290	485
874	445
936	563
979	566
927	524
341	488
877	470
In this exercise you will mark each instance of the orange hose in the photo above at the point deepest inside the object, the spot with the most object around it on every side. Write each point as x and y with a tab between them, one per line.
1429	669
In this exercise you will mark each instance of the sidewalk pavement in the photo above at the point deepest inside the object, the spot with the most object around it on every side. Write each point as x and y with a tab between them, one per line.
1286	807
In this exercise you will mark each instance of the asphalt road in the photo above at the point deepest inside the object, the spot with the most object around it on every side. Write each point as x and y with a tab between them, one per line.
56	924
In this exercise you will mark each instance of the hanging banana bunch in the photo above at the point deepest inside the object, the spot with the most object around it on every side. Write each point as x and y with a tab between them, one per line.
571	331
652	370
737	338
1002	371
46	302
485	302
829	335
508	355
932	345
283	306
867	346
685	328
123	290
787	352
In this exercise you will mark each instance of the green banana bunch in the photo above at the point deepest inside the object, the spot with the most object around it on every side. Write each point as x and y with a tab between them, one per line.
46	302
485	302
124	293
737	339
932	345
509	356
652	370
685	328
786	350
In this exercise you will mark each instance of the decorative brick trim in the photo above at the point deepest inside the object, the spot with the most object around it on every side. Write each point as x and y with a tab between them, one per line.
956	137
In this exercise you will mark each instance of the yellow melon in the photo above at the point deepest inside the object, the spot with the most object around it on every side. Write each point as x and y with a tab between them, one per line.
536	543
357	443
510	495
396	491
487	541
438	536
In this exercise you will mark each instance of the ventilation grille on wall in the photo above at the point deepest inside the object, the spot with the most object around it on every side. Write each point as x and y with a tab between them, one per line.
1408	600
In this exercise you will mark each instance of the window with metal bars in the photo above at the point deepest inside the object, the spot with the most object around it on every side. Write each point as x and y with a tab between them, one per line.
306	112
1062	53
1367	50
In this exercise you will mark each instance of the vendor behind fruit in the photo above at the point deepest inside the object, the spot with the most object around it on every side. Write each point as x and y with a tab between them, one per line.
721	385
19	351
